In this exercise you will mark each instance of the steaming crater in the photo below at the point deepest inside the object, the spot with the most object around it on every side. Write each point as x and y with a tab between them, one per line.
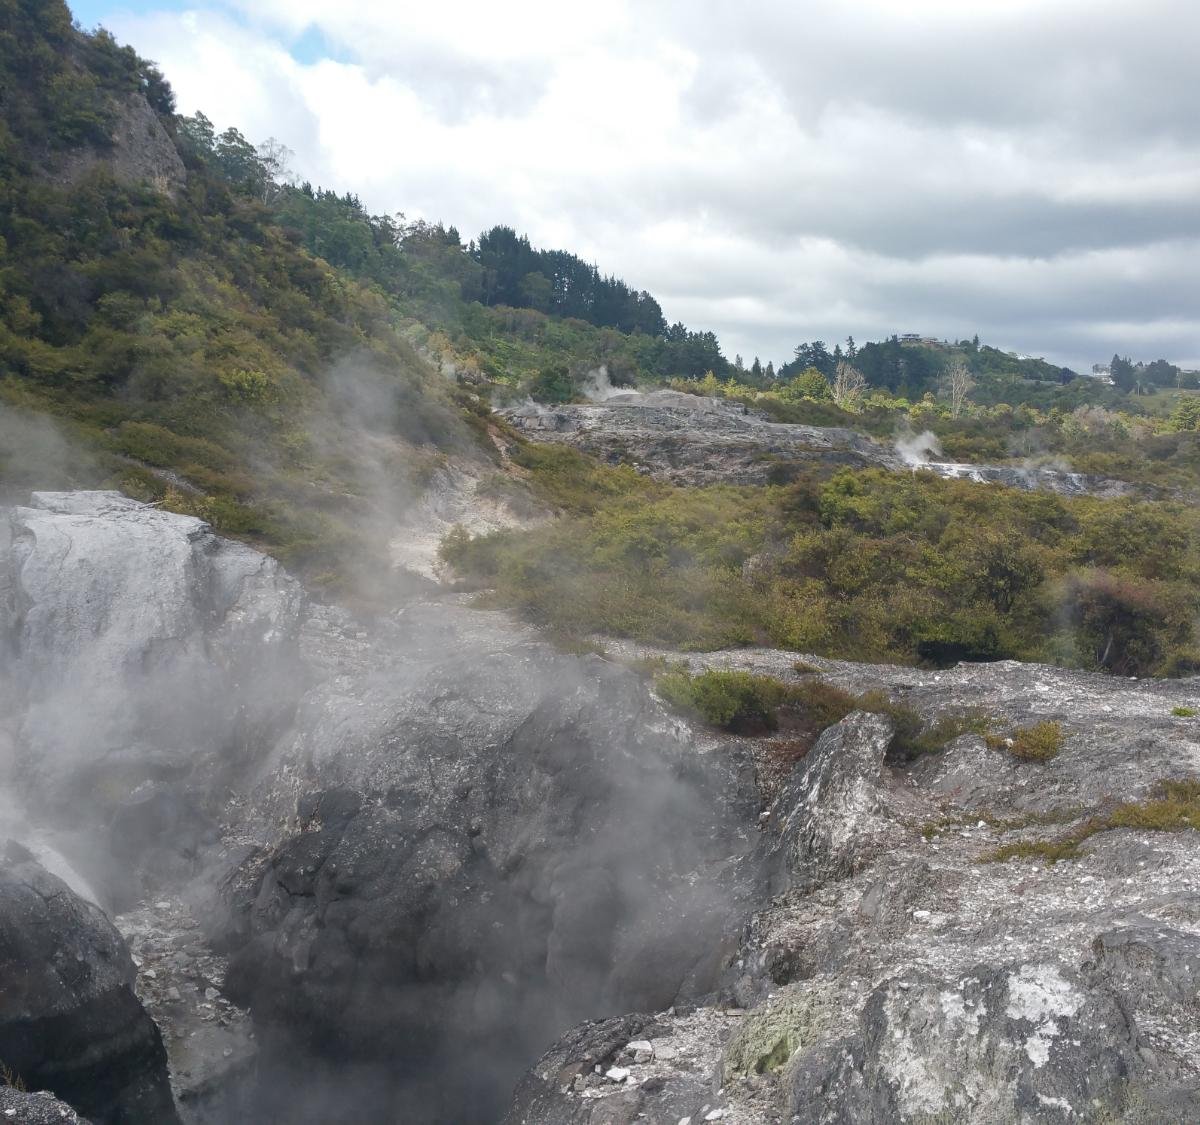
427	844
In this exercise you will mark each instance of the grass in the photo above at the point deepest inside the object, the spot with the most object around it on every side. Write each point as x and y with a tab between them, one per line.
1037	743
1183	712
753	704
1173	807
10	1078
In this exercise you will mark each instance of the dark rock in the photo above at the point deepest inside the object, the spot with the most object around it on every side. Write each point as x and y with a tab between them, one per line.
69	1021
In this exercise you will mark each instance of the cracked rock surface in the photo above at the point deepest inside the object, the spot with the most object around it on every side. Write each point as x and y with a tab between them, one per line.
694	440
899	974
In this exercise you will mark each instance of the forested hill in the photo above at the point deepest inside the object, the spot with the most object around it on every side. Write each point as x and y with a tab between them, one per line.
207	336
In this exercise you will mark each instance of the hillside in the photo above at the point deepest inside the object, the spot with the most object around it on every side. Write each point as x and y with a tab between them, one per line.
182	322
271	358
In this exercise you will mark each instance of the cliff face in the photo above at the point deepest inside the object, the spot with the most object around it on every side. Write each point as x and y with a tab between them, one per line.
141	152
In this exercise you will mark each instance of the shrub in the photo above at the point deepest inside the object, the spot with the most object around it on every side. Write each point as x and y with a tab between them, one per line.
1173	807
737	701
1037	743
1184	712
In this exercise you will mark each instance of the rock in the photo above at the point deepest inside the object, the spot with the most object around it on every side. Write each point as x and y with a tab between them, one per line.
828	812
41	1108
69	1021
1032	1038
895	979
141	152
509	839
695	440
141	652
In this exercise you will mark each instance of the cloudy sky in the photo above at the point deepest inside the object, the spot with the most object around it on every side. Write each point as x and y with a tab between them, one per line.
773	170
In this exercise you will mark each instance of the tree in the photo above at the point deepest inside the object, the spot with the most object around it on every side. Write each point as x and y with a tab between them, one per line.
958	385
553	384
1186	415
810	383
1124	374
276	159
848	386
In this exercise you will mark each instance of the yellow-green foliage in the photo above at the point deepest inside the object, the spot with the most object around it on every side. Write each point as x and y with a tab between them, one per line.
1173	807
734	700
864	565
742	701
1183	712
1037	743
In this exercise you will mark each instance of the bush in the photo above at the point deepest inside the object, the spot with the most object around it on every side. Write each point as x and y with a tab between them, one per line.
736	701
1037	743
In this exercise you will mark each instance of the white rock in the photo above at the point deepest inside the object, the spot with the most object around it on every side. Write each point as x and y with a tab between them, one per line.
617	1073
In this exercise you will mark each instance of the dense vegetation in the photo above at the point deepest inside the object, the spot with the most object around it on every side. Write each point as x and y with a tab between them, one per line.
866	565
270	357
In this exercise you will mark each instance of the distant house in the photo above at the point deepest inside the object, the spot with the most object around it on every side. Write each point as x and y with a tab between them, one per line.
1102	372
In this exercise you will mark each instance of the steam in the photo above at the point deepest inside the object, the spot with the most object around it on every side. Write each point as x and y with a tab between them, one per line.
597	387
151	686
36	453
916	450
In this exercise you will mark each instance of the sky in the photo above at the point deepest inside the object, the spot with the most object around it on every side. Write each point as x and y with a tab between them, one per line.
775	171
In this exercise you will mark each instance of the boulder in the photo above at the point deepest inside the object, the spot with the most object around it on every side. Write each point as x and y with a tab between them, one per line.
69	1020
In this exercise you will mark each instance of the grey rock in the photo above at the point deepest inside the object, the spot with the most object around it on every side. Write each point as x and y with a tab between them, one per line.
141	152
69	1021
695	440
41	1108
829	810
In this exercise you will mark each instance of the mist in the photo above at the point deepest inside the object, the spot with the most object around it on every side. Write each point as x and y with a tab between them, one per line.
533	841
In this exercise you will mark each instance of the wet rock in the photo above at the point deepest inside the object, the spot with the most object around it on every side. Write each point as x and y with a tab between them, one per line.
69	1020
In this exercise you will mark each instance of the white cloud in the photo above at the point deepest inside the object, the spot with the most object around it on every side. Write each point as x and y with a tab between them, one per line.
769	170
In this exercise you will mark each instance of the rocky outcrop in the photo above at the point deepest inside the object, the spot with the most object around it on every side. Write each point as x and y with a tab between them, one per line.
36	1109
513	839
145	660
905	975
694	440
141	152
69	1021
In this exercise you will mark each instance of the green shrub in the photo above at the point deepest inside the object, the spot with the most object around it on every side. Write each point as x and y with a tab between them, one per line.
737	701
1037	743
1184	712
